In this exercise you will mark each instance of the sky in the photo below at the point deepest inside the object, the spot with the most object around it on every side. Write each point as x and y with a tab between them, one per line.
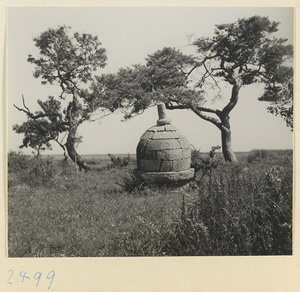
129	35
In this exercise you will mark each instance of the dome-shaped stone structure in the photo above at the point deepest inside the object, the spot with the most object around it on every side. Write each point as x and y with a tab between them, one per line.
163	153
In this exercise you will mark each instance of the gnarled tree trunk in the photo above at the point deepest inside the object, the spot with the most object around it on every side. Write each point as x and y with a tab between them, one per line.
73	116
224	126
228	154
70	145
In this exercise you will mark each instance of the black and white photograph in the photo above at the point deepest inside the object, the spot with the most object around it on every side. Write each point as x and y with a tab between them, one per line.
149	132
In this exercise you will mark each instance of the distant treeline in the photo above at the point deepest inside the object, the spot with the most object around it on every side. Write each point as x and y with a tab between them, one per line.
256	152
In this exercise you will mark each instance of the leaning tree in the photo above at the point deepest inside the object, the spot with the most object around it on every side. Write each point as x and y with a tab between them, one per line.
239	54
243	53
68	60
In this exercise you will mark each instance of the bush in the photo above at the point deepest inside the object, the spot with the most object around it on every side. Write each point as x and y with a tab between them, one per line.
132	183
118	161
238	214
204	165
16	161
29	170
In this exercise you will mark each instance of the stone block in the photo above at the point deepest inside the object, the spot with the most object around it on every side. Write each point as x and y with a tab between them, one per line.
186	152
157	129
147	135
165	177
181	164
170	128
173	154
184	143
163	144
169	154
141	148
165	135
166	166
180	134
149	165
148	155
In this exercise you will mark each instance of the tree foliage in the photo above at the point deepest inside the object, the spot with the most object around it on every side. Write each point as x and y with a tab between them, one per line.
165	77
64	57
239	54
68	60
42	126
280	95
246	52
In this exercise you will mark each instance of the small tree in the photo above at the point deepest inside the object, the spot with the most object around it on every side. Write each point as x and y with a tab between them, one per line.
68	60
239	54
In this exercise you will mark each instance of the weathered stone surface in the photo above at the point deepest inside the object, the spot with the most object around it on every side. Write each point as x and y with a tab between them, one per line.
141	148
181	164
163	119
173	154
157	129
186	152
147	135
170	128
149	154
180	134
149	165
164	154
184	143
165	135
163	144
166	177
166	166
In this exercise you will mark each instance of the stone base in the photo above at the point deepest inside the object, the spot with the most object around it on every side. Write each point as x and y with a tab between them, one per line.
174	177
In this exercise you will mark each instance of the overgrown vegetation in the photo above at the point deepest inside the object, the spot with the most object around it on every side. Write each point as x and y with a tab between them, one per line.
118	161
229	209
239	212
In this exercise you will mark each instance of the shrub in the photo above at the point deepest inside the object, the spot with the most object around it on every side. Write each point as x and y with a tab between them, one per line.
132	183
238	214
16	161
204	165
30	170
118	161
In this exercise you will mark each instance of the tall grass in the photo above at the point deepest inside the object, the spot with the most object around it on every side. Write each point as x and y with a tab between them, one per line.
85	214
238	213
241	209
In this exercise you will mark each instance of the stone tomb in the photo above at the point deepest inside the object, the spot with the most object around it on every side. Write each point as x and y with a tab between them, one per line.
163	153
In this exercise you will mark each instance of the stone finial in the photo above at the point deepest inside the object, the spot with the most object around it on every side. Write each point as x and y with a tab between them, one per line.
162	115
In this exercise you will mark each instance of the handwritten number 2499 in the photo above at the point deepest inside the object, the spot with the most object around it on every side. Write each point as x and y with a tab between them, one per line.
37	276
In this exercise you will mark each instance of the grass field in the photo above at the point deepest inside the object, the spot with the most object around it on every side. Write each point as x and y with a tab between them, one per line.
240	209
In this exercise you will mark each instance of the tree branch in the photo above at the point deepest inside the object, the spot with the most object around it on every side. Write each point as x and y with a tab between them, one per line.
208	110
198	111
209	73
190	72
207	118
28	112
171	106
233	100
101	117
